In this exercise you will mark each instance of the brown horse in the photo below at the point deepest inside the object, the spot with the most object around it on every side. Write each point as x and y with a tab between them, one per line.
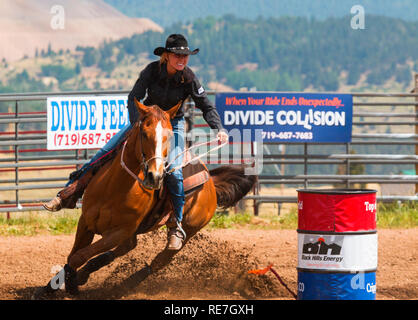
115	203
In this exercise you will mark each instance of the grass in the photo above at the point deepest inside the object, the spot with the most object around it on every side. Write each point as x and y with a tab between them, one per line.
246	219
397	215
390	215
35	223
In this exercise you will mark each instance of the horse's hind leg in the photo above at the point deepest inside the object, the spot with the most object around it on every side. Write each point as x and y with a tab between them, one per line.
104	259
164	257
197	213
159	262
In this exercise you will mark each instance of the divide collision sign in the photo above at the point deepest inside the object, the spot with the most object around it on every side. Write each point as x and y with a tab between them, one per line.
288	117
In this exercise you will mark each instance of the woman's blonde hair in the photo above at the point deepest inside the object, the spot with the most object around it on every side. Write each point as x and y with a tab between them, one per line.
163	57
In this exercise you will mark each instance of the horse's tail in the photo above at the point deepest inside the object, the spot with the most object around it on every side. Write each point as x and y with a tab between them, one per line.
231	184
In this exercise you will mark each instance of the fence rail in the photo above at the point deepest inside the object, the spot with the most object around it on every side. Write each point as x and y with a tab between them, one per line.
16	158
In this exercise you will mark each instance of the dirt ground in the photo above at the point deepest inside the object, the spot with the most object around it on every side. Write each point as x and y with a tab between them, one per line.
213	266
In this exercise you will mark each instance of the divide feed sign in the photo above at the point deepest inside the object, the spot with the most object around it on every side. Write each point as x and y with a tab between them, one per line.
288	117
84	122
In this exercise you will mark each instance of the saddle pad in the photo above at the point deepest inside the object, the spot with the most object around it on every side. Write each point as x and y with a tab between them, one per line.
196	180
195	173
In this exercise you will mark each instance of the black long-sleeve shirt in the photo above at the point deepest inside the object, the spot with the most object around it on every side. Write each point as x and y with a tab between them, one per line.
166	92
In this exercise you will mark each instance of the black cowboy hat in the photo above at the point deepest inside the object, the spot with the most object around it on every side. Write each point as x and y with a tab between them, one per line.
175	43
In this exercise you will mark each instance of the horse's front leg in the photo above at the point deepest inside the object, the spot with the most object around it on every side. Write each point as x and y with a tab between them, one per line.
104	259
109	240
83	238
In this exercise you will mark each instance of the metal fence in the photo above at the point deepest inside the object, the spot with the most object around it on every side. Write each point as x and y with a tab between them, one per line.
23	149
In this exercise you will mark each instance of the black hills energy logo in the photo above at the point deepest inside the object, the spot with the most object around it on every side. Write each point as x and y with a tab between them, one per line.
322	248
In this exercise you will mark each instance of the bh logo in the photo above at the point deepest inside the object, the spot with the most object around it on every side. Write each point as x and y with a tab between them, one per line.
321	247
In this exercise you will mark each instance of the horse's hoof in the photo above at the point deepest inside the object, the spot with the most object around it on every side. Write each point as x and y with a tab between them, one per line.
71	285
72	290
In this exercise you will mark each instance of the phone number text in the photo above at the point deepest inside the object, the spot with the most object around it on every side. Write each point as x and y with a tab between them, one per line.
84	139
287	135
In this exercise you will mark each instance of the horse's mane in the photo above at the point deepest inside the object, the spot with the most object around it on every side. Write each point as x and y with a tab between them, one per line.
157	111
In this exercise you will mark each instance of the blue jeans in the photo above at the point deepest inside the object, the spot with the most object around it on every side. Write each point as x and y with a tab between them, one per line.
109	146
174	180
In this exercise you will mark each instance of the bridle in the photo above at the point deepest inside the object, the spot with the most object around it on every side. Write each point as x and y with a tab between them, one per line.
143	164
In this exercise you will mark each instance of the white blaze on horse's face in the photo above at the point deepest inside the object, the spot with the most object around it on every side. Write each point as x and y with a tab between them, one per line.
156	163
159	163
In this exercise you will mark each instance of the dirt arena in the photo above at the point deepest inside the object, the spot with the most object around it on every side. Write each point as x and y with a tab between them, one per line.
213	266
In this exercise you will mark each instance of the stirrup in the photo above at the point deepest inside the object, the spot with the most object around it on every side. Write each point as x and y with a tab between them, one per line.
53	205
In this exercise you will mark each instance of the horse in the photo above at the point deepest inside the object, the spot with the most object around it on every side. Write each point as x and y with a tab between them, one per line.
118	205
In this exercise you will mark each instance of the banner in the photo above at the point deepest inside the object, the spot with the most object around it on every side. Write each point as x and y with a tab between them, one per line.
288	117
84	122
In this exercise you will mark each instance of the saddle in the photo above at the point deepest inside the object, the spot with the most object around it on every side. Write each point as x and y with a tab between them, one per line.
195	175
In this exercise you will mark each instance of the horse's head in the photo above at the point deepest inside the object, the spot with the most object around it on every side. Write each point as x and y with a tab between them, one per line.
155	135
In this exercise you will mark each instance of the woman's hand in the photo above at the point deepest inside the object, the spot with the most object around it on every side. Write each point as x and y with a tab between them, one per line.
222	136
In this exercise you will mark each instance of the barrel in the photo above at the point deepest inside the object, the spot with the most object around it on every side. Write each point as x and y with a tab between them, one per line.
337	244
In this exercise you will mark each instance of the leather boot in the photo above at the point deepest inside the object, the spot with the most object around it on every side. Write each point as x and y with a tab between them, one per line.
175	238
68	197
53	205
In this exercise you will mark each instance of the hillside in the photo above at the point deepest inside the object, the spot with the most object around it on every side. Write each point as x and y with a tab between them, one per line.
27	26
167	12
294	54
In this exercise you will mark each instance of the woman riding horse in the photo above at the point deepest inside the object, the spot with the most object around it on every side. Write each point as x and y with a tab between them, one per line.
166	82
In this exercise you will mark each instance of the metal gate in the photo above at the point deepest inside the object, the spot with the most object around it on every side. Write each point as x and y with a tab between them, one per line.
380	119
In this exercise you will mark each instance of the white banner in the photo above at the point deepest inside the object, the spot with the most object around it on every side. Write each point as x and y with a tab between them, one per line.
337	252
85	122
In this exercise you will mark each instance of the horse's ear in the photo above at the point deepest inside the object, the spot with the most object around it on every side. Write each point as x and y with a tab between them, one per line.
141	108
173	111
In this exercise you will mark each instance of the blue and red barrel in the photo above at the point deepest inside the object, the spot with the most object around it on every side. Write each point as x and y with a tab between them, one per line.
337	244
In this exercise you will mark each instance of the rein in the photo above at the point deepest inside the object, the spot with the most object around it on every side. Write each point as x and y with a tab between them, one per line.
145	163
133	175
196	157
